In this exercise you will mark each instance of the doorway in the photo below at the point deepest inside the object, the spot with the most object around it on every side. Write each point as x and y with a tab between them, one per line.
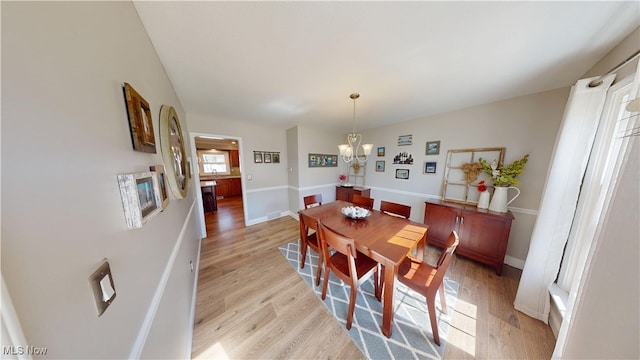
218	167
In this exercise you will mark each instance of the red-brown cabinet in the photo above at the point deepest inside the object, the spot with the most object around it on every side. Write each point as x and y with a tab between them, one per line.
483	234
346	193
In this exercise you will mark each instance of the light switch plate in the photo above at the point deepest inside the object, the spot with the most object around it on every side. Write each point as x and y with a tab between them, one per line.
104	290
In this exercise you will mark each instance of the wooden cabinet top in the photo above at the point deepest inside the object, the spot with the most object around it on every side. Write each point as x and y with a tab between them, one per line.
508	214
359	188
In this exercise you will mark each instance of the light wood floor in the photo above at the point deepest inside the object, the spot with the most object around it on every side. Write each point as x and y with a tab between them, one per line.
251	304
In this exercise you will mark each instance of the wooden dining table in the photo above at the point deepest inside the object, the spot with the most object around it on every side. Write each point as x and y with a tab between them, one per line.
383	237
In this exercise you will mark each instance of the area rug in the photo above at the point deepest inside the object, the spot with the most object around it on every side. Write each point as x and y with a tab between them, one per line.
411	334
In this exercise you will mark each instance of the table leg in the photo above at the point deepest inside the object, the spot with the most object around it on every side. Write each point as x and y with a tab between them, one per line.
422	244
387	306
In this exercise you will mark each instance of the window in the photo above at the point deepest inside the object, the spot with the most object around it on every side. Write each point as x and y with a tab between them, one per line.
214	162
603	167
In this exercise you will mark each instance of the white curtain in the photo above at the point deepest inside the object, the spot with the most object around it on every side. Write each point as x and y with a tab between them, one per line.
560	196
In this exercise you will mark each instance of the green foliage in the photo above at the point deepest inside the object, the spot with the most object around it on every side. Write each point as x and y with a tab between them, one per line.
505	176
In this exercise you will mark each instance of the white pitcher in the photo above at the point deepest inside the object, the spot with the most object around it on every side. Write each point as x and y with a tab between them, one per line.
499	201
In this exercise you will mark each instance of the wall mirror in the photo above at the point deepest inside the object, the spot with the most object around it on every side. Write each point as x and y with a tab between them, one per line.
463	172
173	151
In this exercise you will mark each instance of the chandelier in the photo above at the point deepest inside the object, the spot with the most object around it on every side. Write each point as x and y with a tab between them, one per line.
351	150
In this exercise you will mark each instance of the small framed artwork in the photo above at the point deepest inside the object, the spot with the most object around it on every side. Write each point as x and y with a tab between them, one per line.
380	166
267	157
275	157
141	197
429	167
257	156
381	151
140	121
402	174
405	140
433	148
162	183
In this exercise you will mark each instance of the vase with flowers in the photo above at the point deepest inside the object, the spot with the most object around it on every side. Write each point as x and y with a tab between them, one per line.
483	200
343	180
503	179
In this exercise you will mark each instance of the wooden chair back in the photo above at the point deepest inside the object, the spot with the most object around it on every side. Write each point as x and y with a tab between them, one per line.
362	201
395	209
307	240
351	266
312	200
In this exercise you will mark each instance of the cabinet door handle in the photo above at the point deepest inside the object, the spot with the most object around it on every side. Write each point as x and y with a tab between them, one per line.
457	219
461	220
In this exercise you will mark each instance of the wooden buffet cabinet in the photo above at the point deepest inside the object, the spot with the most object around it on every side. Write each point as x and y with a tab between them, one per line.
346	193
483	234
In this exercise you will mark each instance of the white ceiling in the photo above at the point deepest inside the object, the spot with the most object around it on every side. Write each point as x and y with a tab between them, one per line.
288	63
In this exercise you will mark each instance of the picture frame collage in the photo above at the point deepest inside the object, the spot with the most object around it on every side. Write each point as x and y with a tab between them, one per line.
266	157
429	167
323	160
145	194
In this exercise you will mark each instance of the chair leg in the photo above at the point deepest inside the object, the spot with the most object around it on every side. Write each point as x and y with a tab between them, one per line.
352	305
431	306
303	253
443	300
319	271
325	283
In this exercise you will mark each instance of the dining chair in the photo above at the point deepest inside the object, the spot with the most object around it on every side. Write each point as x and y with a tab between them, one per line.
395	209
350	265
426	279
312	241
312	200
362	201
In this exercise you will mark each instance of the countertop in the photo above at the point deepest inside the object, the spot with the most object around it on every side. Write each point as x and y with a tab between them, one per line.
204	183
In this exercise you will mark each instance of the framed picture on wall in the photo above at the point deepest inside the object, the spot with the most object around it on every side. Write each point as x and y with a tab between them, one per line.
257	156
140	121
433	148
141	199
402	174
380	166
162	183
429	167
381	151
405	140
267	157
323	160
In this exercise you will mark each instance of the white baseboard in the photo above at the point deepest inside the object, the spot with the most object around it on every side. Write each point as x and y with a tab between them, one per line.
515	262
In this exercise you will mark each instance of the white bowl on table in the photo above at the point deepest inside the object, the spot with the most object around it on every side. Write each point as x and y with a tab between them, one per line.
355	212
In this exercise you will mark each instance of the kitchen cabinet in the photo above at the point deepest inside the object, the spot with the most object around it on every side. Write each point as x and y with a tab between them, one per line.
234	158
236	186
229	187
483	234
346	193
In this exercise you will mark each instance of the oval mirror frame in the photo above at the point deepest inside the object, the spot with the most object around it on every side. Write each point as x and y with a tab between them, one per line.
173	151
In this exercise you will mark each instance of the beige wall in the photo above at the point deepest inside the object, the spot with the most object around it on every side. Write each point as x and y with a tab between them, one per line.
65	137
